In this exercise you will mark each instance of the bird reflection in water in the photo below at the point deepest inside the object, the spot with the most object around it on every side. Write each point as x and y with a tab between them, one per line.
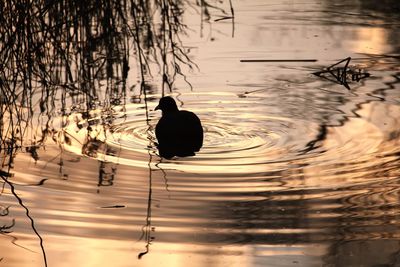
179	132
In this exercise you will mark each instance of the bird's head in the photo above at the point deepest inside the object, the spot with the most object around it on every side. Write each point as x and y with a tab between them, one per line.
167	105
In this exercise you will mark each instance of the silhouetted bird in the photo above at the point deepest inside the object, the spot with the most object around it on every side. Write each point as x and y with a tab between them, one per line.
179	132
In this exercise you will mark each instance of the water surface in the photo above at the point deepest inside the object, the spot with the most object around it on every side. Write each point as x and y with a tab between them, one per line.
295	170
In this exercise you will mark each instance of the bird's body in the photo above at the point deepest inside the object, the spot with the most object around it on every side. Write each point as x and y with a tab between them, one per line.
179	132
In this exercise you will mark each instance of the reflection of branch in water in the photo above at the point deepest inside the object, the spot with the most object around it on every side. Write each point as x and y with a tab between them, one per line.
70	50
4	211
28	215
233	18
164	173
6	230
14	242
205	14
323	128
4	175
147	228
315	143
106	178
392	84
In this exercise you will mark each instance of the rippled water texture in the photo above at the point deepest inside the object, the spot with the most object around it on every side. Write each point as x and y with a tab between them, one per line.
295	170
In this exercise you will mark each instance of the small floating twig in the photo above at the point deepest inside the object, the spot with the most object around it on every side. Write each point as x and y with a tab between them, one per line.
224	18
113	207
340	74
278	60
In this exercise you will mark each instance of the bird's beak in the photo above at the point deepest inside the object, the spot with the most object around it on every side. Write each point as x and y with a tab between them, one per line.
157	108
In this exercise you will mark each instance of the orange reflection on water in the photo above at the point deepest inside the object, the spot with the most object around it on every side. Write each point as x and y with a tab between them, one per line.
370	40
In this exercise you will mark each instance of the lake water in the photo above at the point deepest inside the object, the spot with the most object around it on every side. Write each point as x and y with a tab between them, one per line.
295	170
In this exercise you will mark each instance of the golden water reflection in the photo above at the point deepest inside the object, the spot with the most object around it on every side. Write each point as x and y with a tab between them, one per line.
295	171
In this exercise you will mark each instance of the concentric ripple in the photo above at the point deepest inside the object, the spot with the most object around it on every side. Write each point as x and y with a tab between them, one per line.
242	136
253	138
